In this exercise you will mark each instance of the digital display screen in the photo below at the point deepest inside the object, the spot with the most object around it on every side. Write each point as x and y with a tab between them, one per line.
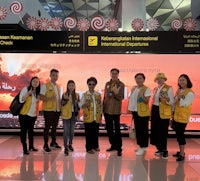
17	70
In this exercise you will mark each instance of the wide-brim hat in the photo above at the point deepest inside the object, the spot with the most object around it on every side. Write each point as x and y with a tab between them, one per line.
160	75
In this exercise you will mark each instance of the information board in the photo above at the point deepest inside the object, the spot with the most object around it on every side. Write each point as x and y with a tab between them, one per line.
100	42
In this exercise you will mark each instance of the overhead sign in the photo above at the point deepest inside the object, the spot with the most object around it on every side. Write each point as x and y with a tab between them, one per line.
99	42
41	42
143	42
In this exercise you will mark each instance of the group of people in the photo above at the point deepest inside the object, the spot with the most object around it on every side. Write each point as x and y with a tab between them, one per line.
68	106
165	106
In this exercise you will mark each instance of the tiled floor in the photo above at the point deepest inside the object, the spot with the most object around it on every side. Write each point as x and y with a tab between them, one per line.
102	166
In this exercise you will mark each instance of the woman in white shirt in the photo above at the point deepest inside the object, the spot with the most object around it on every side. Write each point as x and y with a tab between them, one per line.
139	106
183	105
28	114
161	114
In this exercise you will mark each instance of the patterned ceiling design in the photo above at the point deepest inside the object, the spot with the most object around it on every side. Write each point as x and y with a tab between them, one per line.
51	14
165	11
81	8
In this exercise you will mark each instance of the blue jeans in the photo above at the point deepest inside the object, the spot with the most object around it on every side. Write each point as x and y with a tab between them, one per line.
68	126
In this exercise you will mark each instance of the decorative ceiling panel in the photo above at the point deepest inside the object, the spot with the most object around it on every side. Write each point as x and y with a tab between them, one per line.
79	9
165	11
168	10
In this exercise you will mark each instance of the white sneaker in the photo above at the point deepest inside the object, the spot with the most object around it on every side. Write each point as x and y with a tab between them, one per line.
140	151
145	149
137	149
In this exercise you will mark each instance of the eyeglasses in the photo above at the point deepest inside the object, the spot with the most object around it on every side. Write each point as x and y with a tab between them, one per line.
91	84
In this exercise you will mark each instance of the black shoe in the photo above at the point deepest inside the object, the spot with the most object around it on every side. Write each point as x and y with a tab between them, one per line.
66	153
47	149
180	158
26	152
111	149
96	149
55	146
71	148
90	152
33	149
165	155
119	153
177	154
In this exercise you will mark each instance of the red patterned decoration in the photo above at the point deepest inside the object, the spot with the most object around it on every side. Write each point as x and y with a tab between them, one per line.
176	24
32	23
112	24
16	7
70	23
56	23
152	24
98	23
3	13
190	24
137	24
83	24
43	24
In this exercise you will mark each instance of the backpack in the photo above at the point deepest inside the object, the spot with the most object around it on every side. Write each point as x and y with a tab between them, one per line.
16	106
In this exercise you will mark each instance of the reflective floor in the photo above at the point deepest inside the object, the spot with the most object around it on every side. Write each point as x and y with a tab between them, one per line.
102	166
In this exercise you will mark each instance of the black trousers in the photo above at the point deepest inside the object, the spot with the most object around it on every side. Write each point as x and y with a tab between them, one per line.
26	127
51	121
113	130
141	128
159	130
180	130
91	135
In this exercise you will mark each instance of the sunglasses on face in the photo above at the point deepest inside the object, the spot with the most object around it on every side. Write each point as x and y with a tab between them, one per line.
91	84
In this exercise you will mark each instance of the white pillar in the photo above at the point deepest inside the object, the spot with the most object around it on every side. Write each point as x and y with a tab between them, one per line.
132	9
195	9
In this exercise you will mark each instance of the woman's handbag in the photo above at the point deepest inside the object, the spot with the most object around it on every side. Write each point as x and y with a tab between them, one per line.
16	106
